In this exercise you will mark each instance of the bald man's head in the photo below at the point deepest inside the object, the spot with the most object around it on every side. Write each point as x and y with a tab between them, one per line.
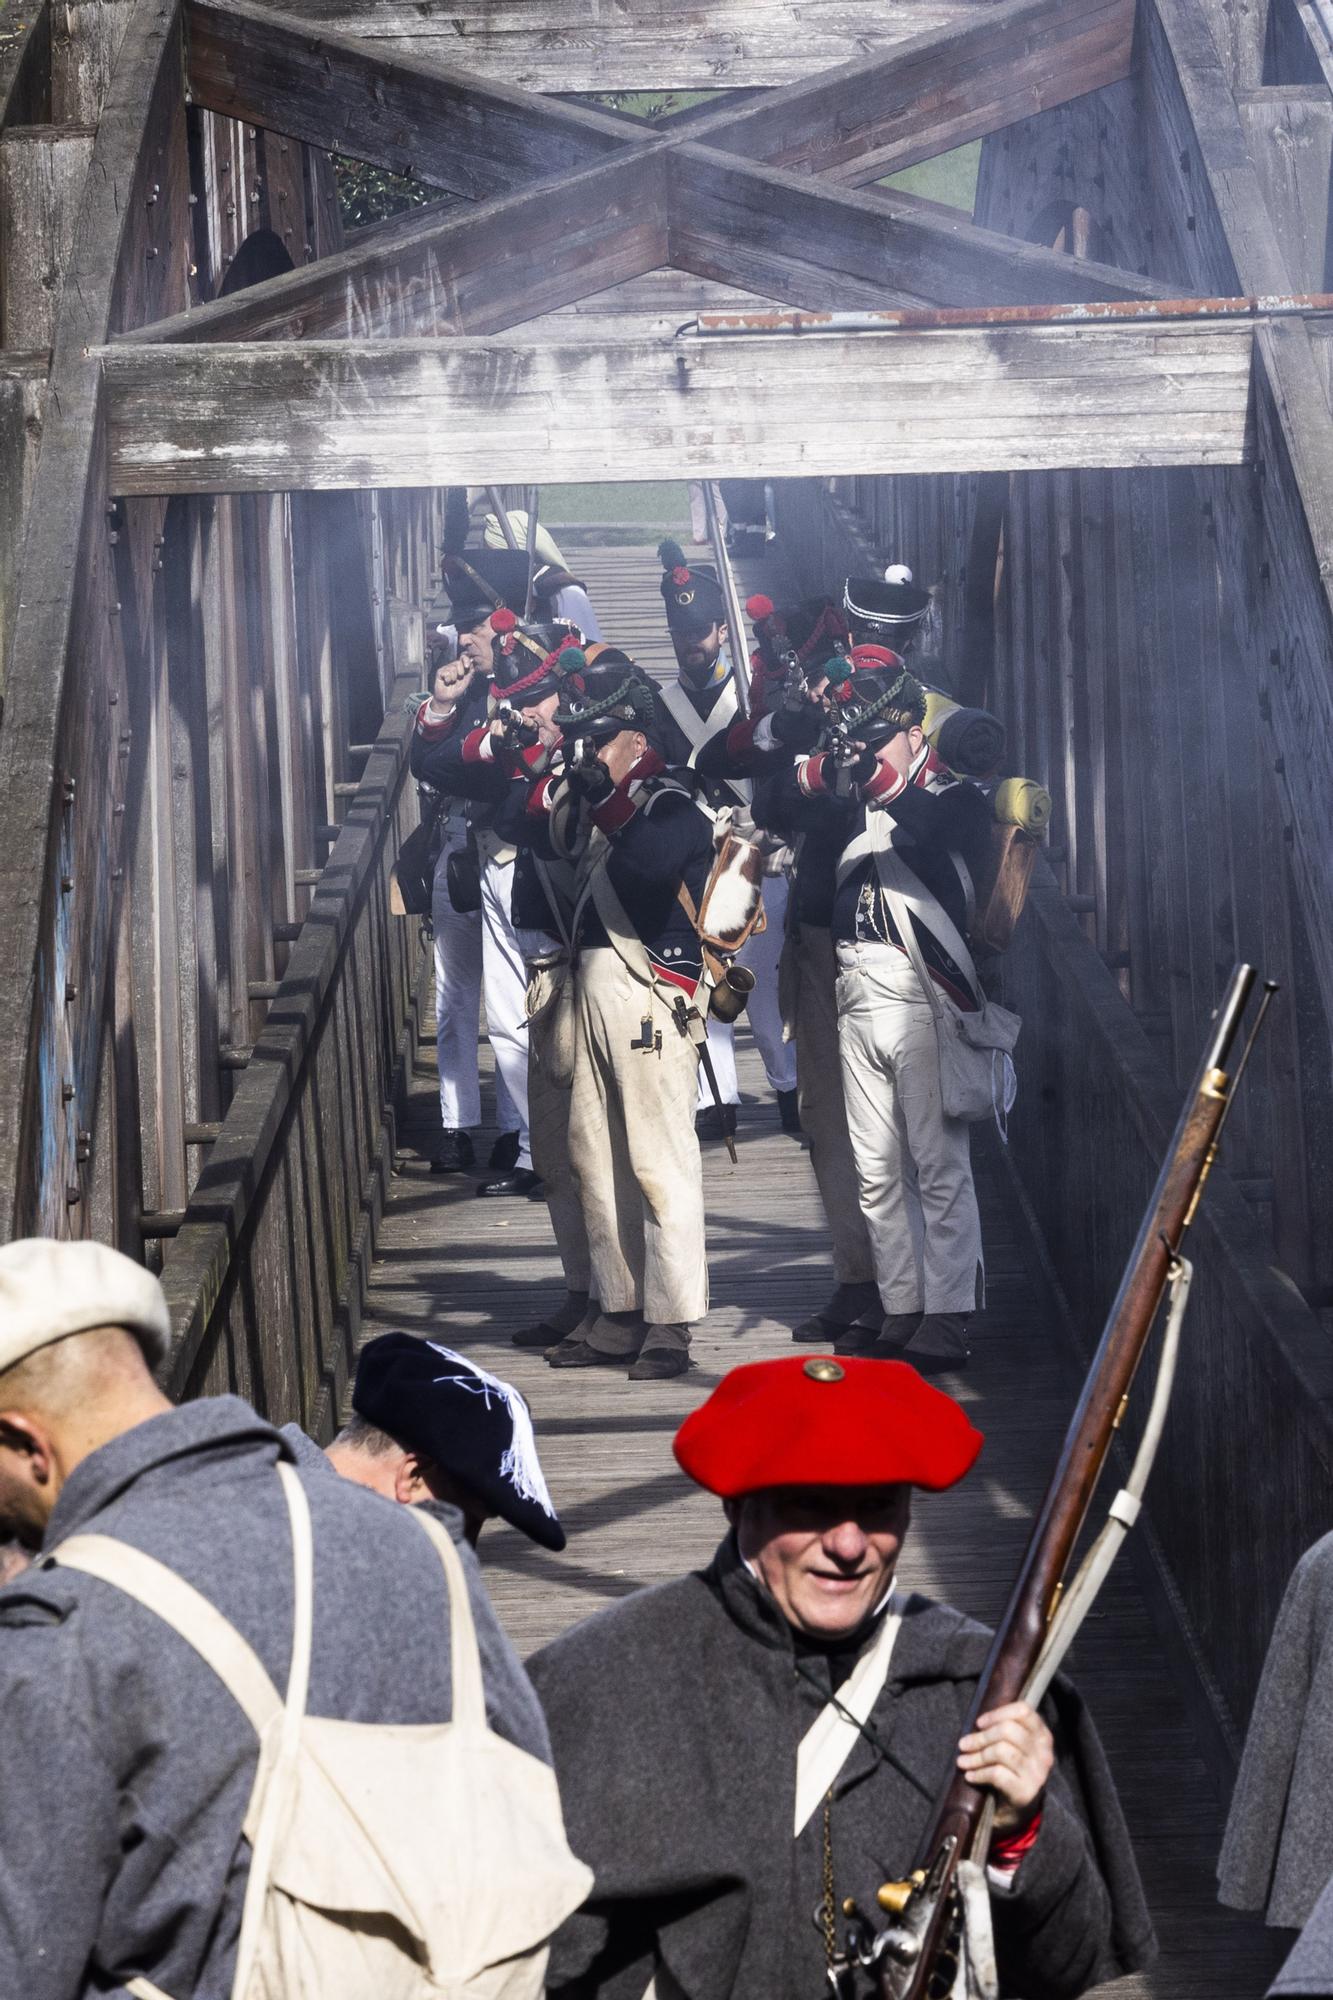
58	1405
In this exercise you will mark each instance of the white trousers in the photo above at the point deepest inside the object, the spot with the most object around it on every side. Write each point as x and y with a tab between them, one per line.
505	984
913	1165
763	1010
458	953
634	1153
823	1112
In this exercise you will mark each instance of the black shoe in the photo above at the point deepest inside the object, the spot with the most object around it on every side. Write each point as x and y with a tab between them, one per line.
853	1310
571	1316
717	1122
573	1353
520	1180
660	1364
453	1155
504	1153
789	1116
896	1336
939	1345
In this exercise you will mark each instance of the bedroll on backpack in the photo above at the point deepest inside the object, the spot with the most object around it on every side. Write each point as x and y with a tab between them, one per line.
388	1861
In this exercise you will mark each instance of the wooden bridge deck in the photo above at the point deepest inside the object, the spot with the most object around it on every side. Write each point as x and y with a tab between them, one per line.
468	1272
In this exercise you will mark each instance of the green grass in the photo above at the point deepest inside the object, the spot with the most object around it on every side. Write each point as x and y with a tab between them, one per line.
660	503
952	178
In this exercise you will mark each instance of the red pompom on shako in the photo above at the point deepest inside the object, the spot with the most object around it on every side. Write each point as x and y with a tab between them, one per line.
823	1422
759	606
680	574
503	620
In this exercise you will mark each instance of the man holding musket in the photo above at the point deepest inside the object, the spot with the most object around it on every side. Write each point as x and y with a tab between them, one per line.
746	1749
637	839
902	825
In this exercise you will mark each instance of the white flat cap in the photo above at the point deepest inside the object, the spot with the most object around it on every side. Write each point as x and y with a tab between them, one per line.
49	1289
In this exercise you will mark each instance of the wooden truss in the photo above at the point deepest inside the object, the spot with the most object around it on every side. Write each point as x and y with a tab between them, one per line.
551	202
420	350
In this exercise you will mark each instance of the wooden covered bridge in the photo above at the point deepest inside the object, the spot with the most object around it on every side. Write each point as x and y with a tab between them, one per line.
1094	413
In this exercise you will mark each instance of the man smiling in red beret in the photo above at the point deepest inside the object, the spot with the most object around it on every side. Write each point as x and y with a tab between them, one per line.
743	1750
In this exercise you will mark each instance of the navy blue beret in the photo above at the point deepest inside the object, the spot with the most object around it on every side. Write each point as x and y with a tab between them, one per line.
472	1425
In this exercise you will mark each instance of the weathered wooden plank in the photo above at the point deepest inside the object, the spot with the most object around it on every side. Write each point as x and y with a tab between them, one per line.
42	173
776	232
22	399
939	90
1297	452
85	41
407	413
140	142
474	272
413	117
580	45
1291	141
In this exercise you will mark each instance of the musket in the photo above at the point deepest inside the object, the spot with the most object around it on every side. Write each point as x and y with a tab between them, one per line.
1025	1652
730	594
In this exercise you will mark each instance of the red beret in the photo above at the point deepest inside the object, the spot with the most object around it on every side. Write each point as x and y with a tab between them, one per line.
823	1422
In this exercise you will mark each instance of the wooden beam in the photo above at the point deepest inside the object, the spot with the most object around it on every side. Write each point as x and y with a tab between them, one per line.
476	272
42	173
411	116
414	413
777	232
957	82
584	45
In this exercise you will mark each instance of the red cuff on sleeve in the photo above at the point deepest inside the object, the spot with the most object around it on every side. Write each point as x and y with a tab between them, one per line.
810	774
475	750
1008	1851
886	784
432	728
534	757
617	811
539	798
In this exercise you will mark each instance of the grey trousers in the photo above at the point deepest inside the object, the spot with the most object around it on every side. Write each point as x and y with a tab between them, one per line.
634	1153
913	1165
550	1090
823	1110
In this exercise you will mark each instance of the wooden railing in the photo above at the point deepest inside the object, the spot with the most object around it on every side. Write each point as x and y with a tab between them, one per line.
1244	1481
266	1273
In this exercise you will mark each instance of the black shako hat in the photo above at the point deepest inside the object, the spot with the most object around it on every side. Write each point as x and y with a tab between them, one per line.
472	1425
893	607
692	595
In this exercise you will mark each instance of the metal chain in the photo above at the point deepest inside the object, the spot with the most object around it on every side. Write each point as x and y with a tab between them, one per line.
828	1908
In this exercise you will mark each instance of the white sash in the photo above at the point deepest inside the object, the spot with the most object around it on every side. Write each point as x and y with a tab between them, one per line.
832	1736
700	729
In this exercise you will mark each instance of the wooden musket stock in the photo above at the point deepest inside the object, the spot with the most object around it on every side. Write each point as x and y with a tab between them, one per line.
1018	1640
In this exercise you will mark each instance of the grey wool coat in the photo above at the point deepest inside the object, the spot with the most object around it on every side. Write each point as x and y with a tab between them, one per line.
1309	1970
127	1765
675	1717
1277	1855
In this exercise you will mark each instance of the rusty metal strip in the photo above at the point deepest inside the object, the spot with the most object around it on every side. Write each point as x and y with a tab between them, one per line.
1096	312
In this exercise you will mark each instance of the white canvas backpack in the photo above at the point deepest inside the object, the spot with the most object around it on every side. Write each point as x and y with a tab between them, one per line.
421	1861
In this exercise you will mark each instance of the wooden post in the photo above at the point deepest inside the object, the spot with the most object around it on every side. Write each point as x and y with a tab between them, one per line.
43	169
22	395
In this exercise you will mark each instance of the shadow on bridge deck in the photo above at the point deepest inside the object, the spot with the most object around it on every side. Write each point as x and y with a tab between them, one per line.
469	1272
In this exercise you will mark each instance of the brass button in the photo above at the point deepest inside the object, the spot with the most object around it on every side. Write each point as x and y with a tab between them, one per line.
824	1371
